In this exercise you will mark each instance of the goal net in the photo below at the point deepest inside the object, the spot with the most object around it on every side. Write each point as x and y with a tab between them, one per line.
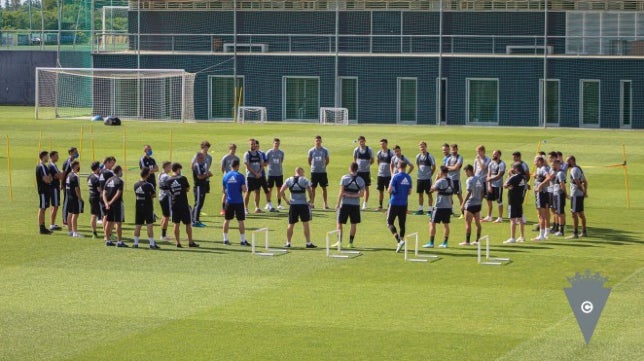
141	94
251	114
334	116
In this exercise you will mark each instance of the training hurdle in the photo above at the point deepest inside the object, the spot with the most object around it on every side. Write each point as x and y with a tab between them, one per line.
492	261
417	257
267	250
340	253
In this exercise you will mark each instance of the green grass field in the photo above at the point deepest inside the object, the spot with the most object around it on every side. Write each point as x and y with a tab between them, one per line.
74	299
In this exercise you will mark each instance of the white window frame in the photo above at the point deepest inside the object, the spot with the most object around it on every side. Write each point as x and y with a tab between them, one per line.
467	102
621	104
284	79
541	103
398	83
581	104
210	93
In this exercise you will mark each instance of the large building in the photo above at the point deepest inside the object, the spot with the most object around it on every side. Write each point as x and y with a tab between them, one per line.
460	62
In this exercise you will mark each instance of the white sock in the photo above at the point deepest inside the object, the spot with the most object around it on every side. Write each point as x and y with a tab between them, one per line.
420	208
270	205
430	208
136	240
152	243
243	237
541	231
225	237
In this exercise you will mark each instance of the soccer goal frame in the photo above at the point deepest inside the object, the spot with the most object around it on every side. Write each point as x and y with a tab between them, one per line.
330	115
243	113
129	94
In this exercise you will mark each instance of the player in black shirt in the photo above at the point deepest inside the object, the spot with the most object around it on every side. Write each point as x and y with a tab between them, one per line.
74	199
55	187
105	174
516	186
113	200
43	181
179	186
67	168
144	192
148	162
93	185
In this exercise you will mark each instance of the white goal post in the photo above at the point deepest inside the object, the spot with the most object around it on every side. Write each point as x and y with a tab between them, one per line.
330	115
251	114
139	94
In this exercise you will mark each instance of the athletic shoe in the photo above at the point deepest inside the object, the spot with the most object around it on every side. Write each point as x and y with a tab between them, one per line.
193	245
257	210
429	213
279	206
378	209
287	245
573	236
121	245
443	245
498	220
538	239
244	243
364	206
311	245
350	245
486	219
246	211
178	245
466	243
45	231
558	234
520	239
460	217
326	208
227	243
198	225
76	235
99	221
428	245
273	210
510	240
583	234
400	246
419	212
336	244
54	227
165	238
109	243
70	233
267	206
95	235
135	246
154	246
222	212
475	243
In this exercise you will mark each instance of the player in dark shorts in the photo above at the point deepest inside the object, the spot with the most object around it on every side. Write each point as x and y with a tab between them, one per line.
74	198
442	207
43	181
144	214
495	172
178	186
253	160
516	185
364	157
542	197
113	201
578	192
399	190
352	187
558	180
300	208
383	158
105	174
274	162
471	208
426	166
201	177
234	185
56	185
147	161
93	186
164	199
67	167
318	158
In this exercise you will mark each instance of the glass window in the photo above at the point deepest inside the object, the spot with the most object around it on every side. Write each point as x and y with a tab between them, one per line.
552	102
626	103
483	100
301	98
590	102
407	99
349	95
222	96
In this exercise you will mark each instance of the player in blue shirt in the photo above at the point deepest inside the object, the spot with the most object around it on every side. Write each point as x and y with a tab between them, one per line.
234	187
399	191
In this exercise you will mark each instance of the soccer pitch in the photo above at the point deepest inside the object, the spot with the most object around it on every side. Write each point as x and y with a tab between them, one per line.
75	299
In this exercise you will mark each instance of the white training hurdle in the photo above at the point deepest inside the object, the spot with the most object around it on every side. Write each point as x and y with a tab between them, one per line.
492	261
340	253
417	256
267	250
